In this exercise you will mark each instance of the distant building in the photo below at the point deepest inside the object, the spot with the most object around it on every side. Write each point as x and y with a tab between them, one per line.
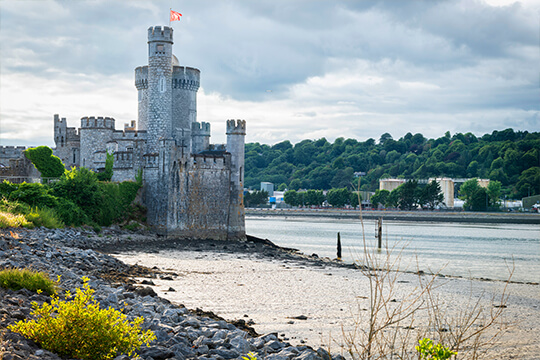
390	184
268	187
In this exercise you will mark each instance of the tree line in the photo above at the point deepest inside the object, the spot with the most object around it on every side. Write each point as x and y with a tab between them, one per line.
508	156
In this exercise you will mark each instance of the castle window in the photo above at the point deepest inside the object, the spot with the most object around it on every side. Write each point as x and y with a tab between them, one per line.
162	84
159	48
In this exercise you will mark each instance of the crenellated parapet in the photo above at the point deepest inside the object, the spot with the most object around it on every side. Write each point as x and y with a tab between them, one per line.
187	78
141	77
99	122
236	127
158	33
11	151
200	129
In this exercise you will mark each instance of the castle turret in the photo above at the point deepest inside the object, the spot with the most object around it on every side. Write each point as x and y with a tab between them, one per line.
200	133
95	133
185	84
236	132
67	142
159	107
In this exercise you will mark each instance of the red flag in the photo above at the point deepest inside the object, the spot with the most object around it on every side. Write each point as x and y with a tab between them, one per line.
175	15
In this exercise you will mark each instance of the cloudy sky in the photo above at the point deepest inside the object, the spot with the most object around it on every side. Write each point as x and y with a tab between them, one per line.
294	69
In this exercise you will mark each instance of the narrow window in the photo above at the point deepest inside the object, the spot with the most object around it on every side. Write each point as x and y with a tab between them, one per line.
162	84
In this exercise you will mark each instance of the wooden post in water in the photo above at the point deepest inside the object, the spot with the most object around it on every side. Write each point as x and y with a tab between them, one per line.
338	246
379	233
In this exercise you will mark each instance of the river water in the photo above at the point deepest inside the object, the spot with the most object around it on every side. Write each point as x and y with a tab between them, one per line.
458	249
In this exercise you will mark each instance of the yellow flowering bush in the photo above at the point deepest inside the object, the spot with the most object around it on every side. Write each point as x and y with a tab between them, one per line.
80	329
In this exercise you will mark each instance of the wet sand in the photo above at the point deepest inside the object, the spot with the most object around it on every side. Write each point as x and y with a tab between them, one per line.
277	294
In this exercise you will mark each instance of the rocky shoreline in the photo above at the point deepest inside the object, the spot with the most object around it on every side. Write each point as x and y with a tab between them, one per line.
181	333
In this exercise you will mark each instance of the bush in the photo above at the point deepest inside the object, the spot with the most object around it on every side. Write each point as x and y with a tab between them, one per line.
16	279
80	329
70	213
34	194
6	188
107	174
49	165
81	187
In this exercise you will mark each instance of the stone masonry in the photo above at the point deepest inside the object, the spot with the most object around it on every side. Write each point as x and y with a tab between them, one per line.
191	188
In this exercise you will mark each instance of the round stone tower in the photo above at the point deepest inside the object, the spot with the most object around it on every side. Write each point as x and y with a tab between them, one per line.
185	83
95	133
159	91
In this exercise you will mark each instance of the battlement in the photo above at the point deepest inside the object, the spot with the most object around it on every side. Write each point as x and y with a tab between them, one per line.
99	122
210	161
141	77
184	77
200	129
129	134
236	127
158	33
11	151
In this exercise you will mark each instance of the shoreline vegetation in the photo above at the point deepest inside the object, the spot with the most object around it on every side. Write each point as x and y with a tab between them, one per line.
395	215
74	253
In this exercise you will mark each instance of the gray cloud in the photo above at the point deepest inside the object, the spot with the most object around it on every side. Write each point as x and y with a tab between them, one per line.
359	65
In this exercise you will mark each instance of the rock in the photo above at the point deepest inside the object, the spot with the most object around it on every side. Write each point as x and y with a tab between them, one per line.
323	354
224	353
146	291
157	352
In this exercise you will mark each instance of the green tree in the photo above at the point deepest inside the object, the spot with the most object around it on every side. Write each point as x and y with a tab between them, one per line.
494	193
282	187
529	182
380	197
49	165
295	184
257	197
292	198
408	195
431	195
338	197
467	190
314	198
355	198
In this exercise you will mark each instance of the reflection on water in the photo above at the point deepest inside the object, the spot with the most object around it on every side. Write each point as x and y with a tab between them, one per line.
469	250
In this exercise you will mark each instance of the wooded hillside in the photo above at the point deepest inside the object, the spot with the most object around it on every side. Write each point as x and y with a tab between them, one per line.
511	157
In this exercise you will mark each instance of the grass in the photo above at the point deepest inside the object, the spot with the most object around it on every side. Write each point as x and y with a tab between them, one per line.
16	214
16	279
8	220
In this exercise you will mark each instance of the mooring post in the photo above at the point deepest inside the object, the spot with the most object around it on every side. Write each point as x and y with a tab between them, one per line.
379	234
338	246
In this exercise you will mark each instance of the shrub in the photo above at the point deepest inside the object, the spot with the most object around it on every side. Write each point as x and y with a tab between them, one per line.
17	279
45	217
8	220
6	188
49	165
429	351
80	329
70	213
34	194
81	187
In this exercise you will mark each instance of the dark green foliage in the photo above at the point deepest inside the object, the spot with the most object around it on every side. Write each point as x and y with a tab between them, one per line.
313	197
431	195
529	182
339	197
502	156
81	187
107	174
6	188
257	197
34	194
380	197
49	165
291	198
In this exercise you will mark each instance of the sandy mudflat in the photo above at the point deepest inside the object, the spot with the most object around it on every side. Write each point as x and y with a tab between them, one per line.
273	292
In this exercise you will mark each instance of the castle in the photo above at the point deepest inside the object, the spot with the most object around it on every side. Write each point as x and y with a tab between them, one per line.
191	188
